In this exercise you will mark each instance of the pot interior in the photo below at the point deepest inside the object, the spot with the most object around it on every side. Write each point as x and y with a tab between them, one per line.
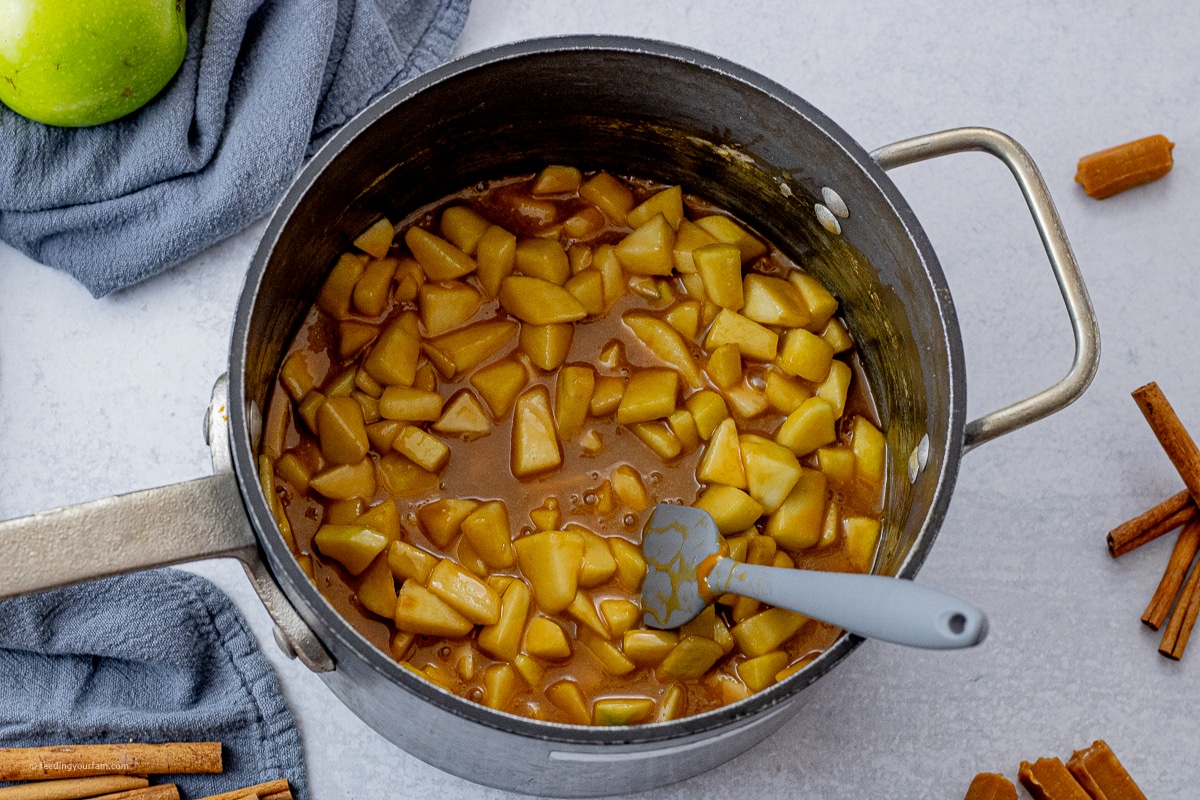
659	112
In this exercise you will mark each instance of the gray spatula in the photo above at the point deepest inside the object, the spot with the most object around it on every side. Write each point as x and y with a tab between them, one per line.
677	540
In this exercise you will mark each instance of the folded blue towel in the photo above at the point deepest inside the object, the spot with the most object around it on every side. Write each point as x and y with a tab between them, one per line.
148	657
263	84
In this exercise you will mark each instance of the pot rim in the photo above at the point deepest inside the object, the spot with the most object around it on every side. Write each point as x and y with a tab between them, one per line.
313	606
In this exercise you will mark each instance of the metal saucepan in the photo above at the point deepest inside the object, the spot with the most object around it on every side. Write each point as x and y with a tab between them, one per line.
631	107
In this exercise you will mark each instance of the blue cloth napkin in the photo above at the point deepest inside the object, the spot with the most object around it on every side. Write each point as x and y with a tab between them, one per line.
263	84
148	657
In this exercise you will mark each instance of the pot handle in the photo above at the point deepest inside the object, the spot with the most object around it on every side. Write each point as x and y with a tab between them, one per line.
1062	261
199	519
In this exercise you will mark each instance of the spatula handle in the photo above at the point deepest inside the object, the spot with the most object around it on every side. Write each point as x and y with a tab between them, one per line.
892	609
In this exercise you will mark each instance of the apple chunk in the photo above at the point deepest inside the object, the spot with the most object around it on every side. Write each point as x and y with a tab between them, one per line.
535	447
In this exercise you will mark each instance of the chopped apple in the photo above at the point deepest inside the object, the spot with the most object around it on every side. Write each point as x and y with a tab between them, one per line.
668	202
408	561
502	640
607	394
500	383
862	539
631	564
773	301
647	648
551	561
691	658
659	438
383	518
837	463
393	359
376	239
539	302
722	459
464	592
836	386
723	229
684	317
377	590
556	179
720	267
708	410
535	447
446	305
767	630
725	365
373	289
338	290
754	340
440	260
420	611
587	286
627	483
497	257
343	432
666	343
837	336
810	426
468	347
820	303
543	258
353	546
732	509
346	480
463	227
442	519
805	355
609	195
648	249
353	338
870	450
487	529
683	426
649	395
796	525
572	396
785	394
771	470
605	259
688	237
463	417
598	562
411	405
403	478
547	346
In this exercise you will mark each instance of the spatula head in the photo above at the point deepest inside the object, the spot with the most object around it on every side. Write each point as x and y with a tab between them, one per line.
675	540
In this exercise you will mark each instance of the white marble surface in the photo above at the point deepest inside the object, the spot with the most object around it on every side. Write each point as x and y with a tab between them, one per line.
104	397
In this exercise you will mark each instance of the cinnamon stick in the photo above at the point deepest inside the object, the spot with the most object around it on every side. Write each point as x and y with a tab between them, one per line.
1182	556
159	791
1162	519
261	790
276	796
1174	438
1179	628
72	788
45	763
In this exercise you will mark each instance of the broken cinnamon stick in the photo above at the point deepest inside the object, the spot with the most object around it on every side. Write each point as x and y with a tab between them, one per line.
1182	556
72	788
77	761
276	796
261	790
1179	628
990	786
1171	434
1048	779
159	791
1165	517
1102	775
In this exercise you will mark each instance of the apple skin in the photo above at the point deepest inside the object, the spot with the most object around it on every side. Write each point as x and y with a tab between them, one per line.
85	62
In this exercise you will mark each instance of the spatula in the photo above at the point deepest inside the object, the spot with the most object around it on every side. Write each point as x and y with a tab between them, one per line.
681	548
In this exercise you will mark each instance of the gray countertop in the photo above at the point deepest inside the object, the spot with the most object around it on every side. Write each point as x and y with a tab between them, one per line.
105	397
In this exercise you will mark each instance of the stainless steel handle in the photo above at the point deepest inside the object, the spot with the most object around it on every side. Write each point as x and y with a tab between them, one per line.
199	519
1062	261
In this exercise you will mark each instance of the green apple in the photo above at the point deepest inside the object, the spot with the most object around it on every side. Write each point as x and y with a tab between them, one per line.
85	62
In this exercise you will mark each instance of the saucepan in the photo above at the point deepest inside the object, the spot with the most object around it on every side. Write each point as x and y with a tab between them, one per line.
628	106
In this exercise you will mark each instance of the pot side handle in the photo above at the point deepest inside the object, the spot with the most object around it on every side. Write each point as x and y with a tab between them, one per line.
1062	261
198	519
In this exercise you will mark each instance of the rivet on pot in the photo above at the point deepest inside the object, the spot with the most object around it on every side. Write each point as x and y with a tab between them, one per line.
254	419
827	219
918	458
834	202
